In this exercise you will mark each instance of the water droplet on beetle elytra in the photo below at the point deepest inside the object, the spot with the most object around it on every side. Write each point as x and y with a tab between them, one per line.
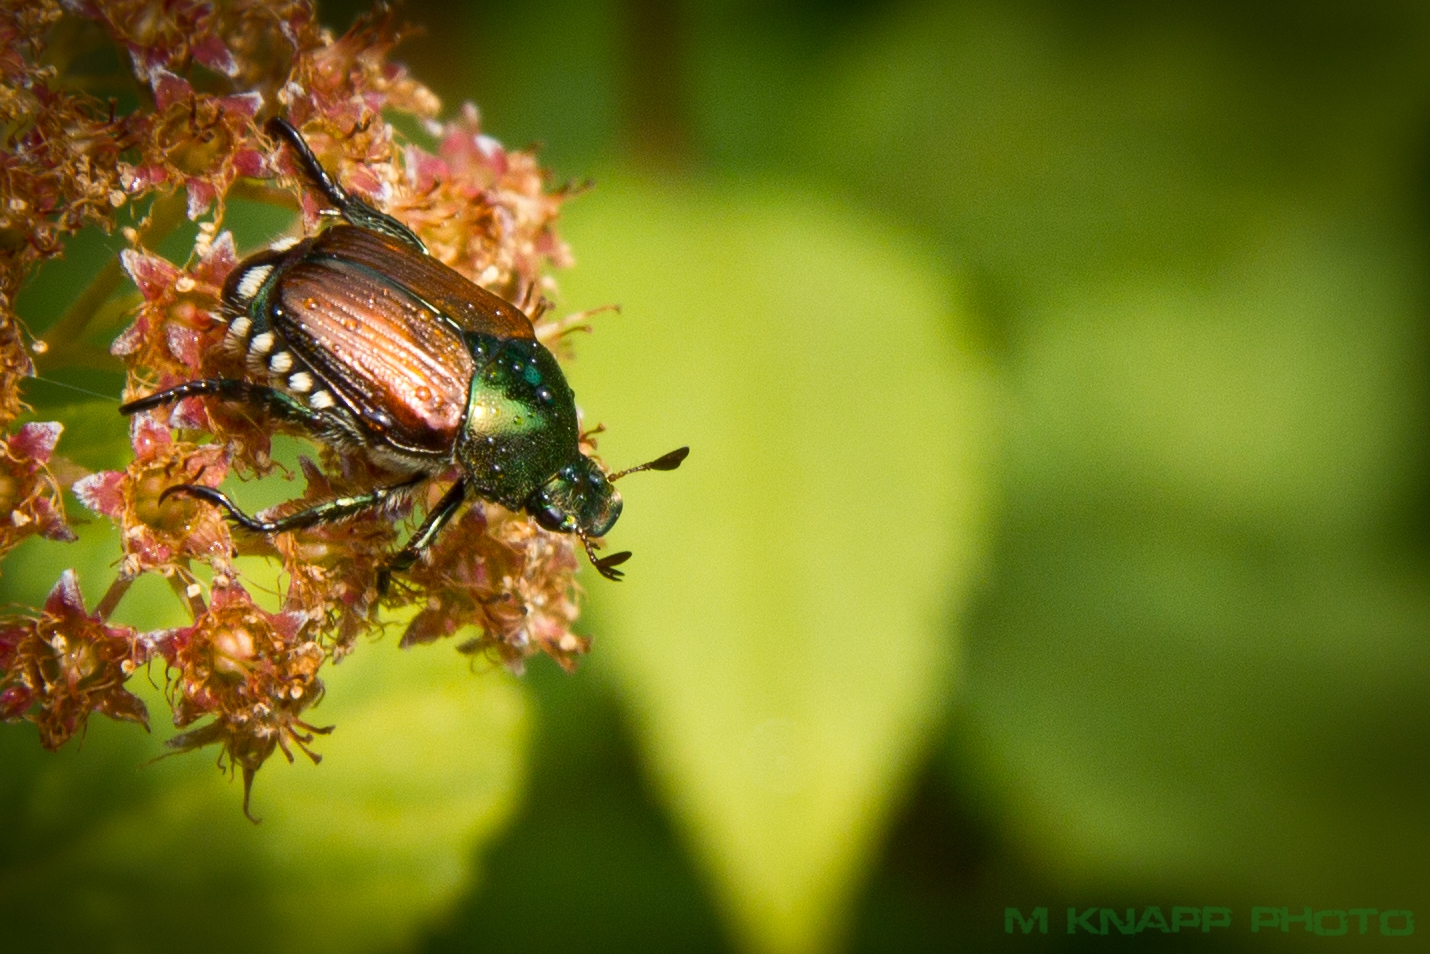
310	303
423	393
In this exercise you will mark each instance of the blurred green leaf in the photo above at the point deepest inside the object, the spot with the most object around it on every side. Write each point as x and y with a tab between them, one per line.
1201	229
361	853
1052	144
1200	669
590	833
783	634
1277	401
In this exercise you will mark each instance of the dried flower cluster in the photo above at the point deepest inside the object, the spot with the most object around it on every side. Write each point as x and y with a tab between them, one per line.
207	75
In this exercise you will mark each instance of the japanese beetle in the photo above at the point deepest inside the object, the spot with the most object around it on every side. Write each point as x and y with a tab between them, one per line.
359	337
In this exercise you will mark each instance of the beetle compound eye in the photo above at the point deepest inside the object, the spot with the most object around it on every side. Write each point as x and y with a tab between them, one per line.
551	519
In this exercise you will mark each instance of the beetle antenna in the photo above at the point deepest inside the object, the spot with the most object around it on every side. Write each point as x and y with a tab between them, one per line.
664	462
280	128
606	566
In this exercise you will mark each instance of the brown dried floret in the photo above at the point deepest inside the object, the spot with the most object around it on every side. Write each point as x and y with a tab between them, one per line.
336	95
483	209
29	496
15	365
168	36
198	140
57	668
254	672
60	169
176	330
162	533
502	573
332	568
62	165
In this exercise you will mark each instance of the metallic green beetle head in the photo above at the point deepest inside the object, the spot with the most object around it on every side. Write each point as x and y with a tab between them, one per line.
578	499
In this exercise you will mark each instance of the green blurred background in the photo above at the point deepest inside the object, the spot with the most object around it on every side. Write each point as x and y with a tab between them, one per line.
1055	530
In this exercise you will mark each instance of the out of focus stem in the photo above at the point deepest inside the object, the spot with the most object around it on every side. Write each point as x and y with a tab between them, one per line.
64	343
113	595
183	583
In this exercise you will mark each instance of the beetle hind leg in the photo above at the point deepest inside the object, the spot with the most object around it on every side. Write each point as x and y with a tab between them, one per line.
353	209
326	512
278	404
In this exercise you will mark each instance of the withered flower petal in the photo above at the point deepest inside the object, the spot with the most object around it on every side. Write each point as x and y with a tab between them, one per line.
64	664
29	495
161	533
254	672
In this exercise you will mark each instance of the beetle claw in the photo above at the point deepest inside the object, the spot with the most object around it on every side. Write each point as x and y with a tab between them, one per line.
184	489
216	497
219	499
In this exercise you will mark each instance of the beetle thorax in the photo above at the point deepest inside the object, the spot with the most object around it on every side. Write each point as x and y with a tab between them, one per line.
520	427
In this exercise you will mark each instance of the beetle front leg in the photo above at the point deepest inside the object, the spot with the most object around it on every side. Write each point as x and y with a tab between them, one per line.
327	512
403	559
277	403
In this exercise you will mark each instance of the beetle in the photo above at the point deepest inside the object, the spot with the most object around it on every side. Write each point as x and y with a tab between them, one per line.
359	337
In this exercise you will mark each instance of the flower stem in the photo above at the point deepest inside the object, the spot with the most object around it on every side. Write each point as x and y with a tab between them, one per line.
113	595
65	344
187	587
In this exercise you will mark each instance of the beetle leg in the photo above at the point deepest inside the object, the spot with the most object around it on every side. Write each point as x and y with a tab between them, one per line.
280	405
437	519
335	509
354	209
